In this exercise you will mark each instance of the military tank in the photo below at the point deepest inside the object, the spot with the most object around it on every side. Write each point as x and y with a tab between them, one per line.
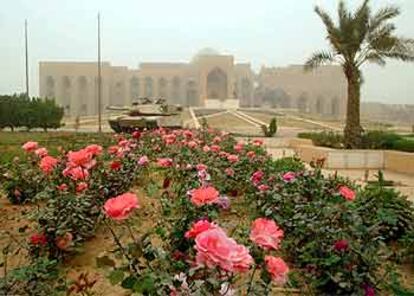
146	114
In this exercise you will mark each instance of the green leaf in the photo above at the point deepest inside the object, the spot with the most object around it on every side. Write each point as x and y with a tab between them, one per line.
129	282
104	261
145	285
116	276
152	189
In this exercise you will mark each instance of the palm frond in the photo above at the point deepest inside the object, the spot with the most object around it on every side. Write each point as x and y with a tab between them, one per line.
343	14
326	18
382	16
360	25
403	50
375	58
318	59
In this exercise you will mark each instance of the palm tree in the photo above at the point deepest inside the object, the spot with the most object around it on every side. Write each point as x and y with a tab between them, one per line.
360	37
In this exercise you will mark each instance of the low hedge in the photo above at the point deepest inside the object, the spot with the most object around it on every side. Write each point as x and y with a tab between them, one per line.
370	140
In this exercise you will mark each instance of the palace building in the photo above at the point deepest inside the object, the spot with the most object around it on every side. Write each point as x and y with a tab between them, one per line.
210	79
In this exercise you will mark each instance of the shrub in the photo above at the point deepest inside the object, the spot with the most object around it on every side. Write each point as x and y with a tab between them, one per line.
379	140
324	237
271	130
22	180
326	139
288	164
404	144
388	209
370	140
38	278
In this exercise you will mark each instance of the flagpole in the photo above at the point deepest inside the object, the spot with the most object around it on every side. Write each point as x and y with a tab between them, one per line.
27	58
99	76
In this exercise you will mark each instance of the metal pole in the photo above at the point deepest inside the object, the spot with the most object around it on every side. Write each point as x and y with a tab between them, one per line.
99	76
27	58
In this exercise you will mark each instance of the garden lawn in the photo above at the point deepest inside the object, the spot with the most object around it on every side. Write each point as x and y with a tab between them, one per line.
11	142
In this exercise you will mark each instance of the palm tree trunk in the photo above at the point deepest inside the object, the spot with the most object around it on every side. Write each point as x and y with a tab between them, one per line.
353	130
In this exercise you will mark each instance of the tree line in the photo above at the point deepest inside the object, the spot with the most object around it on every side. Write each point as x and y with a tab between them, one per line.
18	111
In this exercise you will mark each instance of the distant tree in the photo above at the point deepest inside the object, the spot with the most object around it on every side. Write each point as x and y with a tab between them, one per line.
48	114
21	111
360	37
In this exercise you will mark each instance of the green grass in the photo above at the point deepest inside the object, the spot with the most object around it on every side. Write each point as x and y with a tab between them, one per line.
11	142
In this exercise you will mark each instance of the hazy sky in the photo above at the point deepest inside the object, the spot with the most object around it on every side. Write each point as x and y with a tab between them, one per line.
264	32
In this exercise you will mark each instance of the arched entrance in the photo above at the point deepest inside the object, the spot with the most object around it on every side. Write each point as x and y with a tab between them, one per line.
217	84
303	103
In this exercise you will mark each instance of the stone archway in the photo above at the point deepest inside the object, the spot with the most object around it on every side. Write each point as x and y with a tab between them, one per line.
303	103
134	89
191	94
320	105
66	94
335	107
217	84
50	87
82	96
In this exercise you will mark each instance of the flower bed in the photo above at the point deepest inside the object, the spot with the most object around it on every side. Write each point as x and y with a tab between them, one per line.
229	218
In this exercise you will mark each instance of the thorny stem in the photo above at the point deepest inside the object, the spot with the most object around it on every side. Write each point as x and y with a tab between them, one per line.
118	243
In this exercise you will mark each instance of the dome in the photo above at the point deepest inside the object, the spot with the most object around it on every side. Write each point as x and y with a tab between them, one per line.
207	51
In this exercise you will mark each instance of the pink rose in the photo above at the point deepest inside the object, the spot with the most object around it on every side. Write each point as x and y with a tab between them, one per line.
47	164
201	167
76	173
263	187
199	227
216	140
229	172
347	193
169	139
206	149
192	144
257	142
289	177
41	152
188	134
64	242
30	146
82	186
233	158
251	154
204	196
119	208
215	148
113	149
257	177
238	148
223	154
94	149
124	143
266	234
143	161
81	158
165	162
216	249
277	268
62	187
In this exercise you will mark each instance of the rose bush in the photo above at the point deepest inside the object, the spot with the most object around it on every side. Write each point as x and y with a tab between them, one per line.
228	217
